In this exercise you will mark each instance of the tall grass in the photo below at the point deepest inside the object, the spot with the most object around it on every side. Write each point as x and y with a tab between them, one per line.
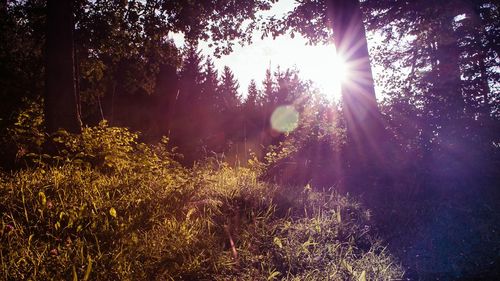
105	207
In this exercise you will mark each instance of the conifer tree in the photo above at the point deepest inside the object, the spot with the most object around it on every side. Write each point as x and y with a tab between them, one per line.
450	55
252	100
269	88
210	84
228	90
191	75
210	108
186	127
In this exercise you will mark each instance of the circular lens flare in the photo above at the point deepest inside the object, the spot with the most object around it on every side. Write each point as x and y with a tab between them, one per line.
285	119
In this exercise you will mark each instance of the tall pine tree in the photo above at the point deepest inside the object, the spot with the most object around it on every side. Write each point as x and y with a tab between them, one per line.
228	90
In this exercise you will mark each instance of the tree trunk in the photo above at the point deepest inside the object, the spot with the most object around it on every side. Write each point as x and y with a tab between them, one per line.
61	110
3	6
367	143
448	83
484	88
448	102
364	127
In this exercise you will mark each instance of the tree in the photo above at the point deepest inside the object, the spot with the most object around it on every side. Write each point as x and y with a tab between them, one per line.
358	93
210	108
290	89
252	100
269	89
438	61
367	140
342	22
228	90
120	45
480	32
191	76
252	110
61	102
447	60
210	85
22	29
186	128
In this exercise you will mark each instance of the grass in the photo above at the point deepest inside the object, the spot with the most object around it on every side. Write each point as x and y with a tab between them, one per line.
129	211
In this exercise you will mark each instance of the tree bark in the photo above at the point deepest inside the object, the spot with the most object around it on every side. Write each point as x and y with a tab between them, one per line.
3	6
367	150
448	83
361	113
484	88
61	109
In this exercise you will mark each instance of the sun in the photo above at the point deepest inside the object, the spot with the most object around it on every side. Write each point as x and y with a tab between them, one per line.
318	63
328	70
339	68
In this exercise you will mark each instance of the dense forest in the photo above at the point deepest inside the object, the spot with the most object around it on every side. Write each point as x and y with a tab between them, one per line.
125	156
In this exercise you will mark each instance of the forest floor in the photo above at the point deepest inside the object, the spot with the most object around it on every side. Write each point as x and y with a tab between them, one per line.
453	239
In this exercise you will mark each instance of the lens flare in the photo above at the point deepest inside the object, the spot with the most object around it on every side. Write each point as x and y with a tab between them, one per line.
285	119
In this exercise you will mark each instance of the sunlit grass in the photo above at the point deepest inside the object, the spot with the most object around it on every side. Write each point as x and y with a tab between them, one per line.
144	217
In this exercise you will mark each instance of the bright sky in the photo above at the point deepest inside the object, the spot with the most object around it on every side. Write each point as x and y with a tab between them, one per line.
313	62
317	63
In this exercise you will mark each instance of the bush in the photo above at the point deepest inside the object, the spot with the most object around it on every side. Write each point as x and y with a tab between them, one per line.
312	152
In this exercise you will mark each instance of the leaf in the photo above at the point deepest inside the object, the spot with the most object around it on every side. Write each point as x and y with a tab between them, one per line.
309	242
278	243
347	266
42	197
135	239
30	238
273	275
75	276
190	212
362	276
89	269
112	212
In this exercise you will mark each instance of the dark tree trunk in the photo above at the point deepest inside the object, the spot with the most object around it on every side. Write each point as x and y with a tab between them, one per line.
166	92
447	101
364	127
448	83
61	108
484	88
3	6
366	153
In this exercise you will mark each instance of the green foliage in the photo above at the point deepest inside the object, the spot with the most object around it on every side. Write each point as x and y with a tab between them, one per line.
27	133
117	209
24	136
22	25
102	146
311	152
58	220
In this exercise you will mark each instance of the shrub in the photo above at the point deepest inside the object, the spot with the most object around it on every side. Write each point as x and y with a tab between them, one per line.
312	152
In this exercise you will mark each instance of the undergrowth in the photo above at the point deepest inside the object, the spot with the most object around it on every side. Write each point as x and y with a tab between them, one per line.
103	206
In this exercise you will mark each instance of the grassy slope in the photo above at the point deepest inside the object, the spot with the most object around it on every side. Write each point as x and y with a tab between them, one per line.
119	210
